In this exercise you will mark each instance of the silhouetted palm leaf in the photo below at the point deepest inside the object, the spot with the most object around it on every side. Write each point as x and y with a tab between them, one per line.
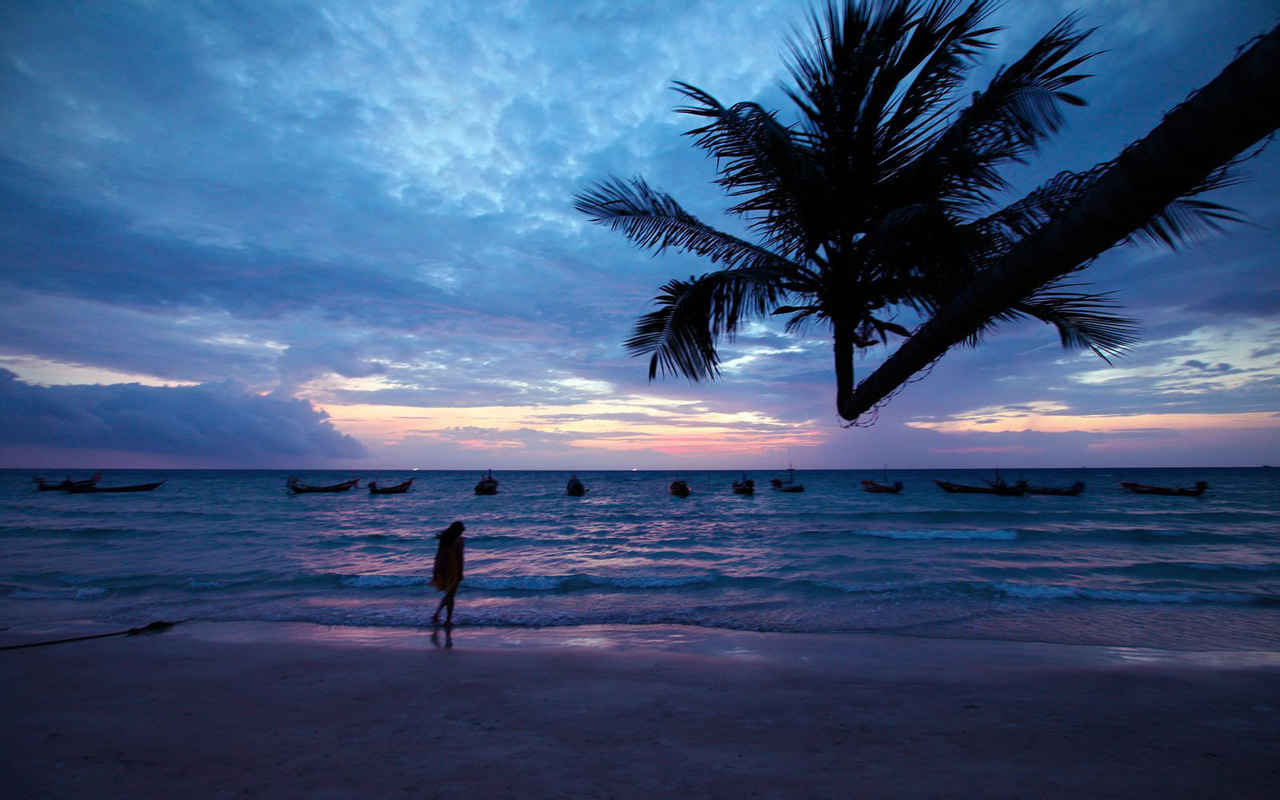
652	219
680	335
1083	319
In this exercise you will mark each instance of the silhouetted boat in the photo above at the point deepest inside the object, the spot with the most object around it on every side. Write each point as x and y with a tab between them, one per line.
998	486
575	487
679	488
744	486
66	484
875	487
298	487
1070	491
488	484
399	488
94	489
1142	488
787	485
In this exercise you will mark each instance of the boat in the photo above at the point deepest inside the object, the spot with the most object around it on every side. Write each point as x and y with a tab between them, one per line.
298	487
66	485
875	487
399	488
679	488
488	484
575	488
1142	488
788	484
1070	491
744	486
95	489
998	486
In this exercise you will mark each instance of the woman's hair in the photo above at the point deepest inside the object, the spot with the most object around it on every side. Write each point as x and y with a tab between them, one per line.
452	532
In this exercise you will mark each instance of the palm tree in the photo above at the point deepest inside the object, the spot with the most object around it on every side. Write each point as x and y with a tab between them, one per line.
1217	123
877	201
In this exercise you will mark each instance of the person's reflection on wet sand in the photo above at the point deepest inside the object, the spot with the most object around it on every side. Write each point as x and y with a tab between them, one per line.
448	635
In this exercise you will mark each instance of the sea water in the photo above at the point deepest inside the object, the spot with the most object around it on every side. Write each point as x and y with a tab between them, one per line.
1106	567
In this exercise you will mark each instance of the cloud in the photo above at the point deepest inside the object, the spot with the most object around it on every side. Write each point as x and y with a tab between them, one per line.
210	424
1252	303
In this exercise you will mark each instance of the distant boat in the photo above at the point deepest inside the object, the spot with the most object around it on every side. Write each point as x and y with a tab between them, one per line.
744	486
788	484
1142	488
399	488
997	486
679	488
1070	491
488	484
875	487
575	488
298	487
66	485
95	489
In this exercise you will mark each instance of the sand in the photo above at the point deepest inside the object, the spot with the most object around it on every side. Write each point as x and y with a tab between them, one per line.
281	710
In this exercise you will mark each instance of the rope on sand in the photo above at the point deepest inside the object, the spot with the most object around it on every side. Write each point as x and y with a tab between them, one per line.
159	626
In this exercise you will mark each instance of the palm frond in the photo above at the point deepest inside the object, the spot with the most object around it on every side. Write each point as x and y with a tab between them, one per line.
1023	217
1185	219
943	49
653	219
1188	219
1020	107
1083	319
680	335
762	160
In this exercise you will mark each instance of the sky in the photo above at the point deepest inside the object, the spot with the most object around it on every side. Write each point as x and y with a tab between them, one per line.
341	235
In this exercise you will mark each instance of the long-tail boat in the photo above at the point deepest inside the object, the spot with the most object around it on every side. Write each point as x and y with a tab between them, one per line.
399	488
488	484
298	487
1142	488
744	486
998	486
95	489
679	488
1070	491
787	484
575	487
66	484
875	487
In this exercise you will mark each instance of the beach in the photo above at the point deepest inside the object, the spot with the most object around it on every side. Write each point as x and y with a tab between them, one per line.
293	710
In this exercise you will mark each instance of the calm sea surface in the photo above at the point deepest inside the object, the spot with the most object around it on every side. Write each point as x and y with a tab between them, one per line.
1106	567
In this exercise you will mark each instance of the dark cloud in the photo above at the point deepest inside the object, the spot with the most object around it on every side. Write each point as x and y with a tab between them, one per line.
1249	303
1221	366
211	423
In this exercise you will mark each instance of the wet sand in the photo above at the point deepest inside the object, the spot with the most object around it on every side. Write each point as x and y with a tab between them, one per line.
282	710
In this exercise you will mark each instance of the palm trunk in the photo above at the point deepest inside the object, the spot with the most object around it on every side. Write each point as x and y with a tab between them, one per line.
1232	112
843	338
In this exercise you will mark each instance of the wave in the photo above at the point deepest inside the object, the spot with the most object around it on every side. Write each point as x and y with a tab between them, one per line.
942	534
710	585
582	581
90	531
1179	597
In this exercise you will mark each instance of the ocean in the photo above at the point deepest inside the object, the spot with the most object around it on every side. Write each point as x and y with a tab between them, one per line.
1107	567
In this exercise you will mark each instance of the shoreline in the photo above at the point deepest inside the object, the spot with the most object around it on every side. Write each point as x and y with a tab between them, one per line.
295	709
773	646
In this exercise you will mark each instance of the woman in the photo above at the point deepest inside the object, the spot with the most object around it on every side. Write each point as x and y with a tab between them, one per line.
447	572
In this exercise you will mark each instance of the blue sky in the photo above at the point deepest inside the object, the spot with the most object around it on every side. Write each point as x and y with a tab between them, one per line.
341	234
